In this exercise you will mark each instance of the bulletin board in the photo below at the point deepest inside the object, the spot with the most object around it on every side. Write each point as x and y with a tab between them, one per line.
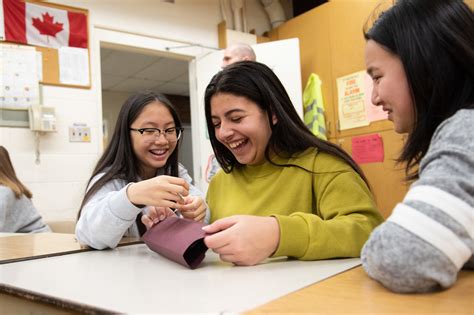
51	72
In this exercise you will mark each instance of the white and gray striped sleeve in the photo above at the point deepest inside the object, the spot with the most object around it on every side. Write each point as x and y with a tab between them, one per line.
429	236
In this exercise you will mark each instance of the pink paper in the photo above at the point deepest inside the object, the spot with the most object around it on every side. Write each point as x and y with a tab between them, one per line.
367	149
181	240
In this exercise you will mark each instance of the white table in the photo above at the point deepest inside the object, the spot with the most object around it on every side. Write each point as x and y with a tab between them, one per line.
133	279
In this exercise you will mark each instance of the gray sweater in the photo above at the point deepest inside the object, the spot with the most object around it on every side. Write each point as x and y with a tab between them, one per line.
109	215
19	215
429	236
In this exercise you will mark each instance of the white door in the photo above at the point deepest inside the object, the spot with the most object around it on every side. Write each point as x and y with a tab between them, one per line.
281	56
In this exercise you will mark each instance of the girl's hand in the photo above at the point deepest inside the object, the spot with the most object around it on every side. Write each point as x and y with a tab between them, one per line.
243	239
155	215
193	208
160	191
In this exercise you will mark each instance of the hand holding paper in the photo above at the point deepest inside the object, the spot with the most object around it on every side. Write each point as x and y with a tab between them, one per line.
194	208
156	215
243	239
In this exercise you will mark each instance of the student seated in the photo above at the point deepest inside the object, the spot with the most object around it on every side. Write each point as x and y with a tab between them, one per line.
17	212
420	55
283	191
138	173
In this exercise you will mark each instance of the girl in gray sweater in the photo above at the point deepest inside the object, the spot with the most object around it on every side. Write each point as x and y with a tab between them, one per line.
17	212
420	55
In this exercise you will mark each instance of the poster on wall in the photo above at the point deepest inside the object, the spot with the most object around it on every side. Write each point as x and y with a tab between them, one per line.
73	65
368	149
18	77
355	108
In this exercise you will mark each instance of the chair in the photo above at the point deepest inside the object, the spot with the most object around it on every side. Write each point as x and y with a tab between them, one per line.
67	227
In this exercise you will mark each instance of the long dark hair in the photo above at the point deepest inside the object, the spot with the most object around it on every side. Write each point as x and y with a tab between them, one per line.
258	83
119	160
8	176
435	43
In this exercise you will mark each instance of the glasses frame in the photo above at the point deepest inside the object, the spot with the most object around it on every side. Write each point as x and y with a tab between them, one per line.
179	132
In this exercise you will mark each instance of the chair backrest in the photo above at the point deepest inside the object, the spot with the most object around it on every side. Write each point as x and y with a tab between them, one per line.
67	227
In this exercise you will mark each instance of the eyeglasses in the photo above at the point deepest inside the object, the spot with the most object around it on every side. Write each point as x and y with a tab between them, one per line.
151	134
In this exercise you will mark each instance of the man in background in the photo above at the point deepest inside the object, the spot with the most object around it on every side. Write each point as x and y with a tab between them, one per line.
237	52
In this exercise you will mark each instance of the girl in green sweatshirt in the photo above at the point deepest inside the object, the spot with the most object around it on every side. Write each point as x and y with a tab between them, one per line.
282	191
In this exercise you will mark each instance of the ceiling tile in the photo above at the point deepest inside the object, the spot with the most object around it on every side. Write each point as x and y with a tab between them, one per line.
108	81
173	88
164	69
182	79
133	85
129	72
104	53
125	63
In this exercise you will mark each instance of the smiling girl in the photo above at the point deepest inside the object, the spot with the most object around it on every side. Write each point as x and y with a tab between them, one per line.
420	55
283	191
138	174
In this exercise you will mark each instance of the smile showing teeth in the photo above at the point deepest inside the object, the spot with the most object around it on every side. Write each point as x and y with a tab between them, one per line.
234	145
158	152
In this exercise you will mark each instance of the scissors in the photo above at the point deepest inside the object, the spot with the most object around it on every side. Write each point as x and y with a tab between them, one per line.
176	211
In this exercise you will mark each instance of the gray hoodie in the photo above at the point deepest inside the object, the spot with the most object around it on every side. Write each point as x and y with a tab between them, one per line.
429	236
19	215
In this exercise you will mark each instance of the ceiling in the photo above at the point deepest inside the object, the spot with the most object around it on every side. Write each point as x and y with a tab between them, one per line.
125	71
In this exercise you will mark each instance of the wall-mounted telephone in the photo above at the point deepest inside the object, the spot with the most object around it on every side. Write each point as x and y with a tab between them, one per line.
42	118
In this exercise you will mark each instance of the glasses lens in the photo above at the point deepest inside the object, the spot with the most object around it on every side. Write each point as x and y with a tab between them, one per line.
175	135
172	134
152	134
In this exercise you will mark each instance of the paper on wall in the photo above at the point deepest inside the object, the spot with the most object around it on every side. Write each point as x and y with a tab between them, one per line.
368	149
73	66
18	77
355	107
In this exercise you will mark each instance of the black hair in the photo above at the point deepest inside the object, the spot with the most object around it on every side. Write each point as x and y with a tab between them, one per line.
435	43
119	160
258	83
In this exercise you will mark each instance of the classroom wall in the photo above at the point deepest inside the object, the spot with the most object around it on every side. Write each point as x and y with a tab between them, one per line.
58	181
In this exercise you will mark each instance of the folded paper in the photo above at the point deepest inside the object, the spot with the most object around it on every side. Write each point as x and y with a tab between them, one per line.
178	239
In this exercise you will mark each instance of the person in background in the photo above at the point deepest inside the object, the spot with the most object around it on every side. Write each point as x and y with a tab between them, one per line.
420	55
234	53
237	52
17	212
282	191
138	174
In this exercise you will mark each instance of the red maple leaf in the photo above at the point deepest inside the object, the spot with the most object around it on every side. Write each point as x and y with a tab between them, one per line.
47	27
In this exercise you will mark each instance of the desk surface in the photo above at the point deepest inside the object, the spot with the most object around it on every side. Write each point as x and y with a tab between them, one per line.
354	292
39	245
350	291
133	279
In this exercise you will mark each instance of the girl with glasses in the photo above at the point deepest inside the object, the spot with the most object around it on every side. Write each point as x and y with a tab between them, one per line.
138	179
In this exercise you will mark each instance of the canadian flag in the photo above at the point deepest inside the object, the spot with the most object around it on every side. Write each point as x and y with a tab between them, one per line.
41	25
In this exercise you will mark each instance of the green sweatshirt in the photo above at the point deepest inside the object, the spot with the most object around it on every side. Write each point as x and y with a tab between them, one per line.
324	210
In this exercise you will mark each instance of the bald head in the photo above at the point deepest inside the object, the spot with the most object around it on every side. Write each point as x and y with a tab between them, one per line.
237	52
